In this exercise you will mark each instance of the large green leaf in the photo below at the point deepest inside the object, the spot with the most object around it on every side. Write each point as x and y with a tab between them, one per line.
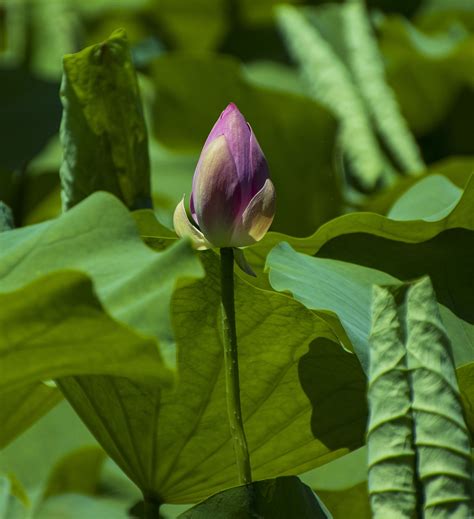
99	237
103	129
318	283
441	436
59	432
92	237
68	333
295	133
183	450
405	250
345	289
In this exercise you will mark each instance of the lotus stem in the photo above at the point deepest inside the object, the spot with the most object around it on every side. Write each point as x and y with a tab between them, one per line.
231	362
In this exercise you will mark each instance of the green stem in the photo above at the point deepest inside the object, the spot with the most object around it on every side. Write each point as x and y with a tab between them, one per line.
232	367
151	508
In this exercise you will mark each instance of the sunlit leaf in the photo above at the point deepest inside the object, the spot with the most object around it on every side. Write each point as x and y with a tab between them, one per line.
183	451
98	234
345	289
456	169
418	441
441	436
367	67
103	130
90	238
430	199
390	441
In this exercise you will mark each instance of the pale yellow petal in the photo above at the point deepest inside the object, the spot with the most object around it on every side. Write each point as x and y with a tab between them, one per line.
184	228
257	217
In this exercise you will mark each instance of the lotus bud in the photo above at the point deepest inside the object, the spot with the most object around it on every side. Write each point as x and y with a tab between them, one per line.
233	199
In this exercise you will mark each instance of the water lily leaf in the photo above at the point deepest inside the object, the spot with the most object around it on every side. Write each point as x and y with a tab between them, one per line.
24	406
278	498
182	451
345	289
330	82
465	376
441	436
103	130
71	334
368	69
58	432
319	283
404	250
99	233
431	199
298	139
91	237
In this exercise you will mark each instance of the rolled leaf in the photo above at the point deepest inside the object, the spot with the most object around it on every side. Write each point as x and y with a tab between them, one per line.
441	435
330	82
103	129
367	67
391	454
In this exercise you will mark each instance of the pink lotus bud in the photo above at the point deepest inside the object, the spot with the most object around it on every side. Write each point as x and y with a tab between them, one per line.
233	199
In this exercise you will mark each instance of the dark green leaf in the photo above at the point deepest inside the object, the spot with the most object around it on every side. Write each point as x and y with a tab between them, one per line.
26	123
279	498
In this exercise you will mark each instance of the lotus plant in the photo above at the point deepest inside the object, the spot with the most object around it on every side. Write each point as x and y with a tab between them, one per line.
233	199
232	205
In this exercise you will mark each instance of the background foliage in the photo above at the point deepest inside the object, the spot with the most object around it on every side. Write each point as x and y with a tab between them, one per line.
365	116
